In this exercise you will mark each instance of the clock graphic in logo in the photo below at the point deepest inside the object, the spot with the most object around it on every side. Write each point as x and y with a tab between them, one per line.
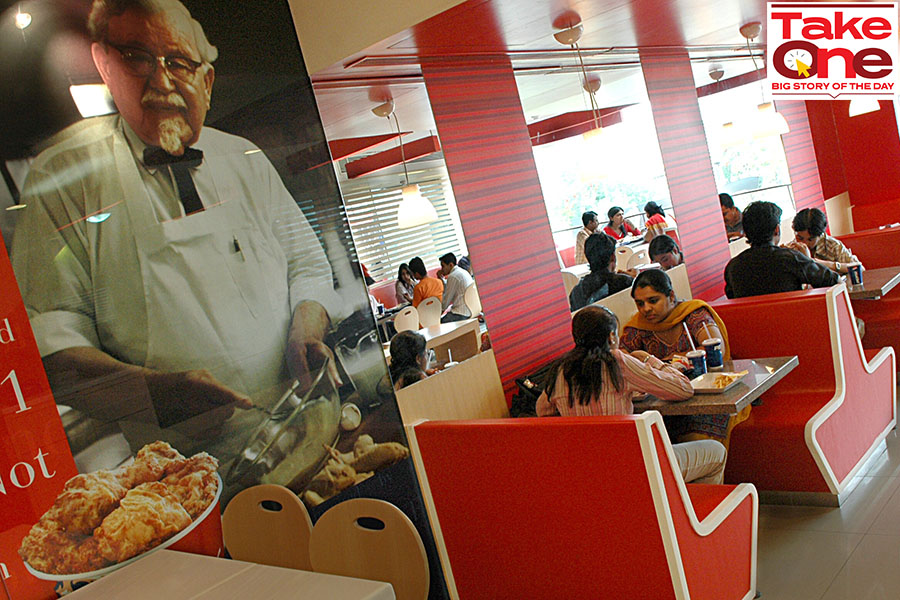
799	60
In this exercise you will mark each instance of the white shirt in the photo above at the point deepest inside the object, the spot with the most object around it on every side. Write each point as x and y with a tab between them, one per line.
455	291
82	282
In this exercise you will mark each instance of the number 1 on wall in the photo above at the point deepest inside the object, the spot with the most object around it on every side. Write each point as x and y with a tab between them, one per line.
18	391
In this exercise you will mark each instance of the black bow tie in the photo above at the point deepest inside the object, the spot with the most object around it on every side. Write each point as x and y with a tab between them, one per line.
181	169
157	157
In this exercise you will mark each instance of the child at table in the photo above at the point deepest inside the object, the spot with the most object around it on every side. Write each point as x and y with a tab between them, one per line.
597	378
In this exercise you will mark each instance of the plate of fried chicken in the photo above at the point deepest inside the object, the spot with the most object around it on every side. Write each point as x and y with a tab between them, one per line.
106	519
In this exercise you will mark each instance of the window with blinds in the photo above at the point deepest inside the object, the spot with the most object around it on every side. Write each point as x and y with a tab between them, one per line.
380	245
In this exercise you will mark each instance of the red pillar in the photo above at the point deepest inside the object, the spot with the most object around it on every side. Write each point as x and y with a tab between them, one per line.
487	150
692	185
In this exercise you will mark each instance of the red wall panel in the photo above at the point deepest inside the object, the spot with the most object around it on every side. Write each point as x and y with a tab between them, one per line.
488	154
827	147
692	185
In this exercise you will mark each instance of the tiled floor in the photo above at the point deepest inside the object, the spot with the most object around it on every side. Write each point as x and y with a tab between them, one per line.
846	553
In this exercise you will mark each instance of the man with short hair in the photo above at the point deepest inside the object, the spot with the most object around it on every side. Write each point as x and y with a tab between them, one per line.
204	284
665	251
428	286
454	298
590	222
765	268
732	216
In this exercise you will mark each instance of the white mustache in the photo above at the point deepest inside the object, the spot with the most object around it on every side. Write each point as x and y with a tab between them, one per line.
157	100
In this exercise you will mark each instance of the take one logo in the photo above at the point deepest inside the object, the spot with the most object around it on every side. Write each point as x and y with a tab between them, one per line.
823	50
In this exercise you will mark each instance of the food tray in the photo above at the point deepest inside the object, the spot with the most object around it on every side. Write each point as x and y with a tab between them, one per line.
704	383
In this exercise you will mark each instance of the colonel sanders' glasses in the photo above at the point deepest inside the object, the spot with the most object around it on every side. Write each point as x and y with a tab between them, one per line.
141	63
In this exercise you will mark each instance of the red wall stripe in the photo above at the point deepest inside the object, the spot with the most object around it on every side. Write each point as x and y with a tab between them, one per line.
692	185
801	156
488	154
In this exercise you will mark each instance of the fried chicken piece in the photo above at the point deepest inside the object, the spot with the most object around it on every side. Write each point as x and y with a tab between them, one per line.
49	549
194	482
150	464
86	499
147	516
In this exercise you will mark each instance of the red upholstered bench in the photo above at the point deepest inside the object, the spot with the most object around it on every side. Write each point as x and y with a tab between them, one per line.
568	256
878	248
817	426
591	507
385	292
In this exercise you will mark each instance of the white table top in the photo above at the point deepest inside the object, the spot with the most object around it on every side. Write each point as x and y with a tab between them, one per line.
170	575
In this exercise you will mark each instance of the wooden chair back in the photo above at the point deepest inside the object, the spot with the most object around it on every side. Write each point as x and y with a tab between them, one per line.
623	253
407	319
473	302
268	524
680	282
371	539
641	257
738	246
570	280
429	312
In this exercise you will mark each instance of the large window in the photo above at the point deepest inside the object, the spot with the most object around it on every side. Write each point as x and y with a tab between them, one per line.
747	167
371	205
620	167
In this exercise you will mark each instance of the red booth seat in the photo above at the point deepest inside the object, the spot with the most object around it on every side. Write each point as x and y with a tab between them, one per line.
817	426
877	248
590	507
568	256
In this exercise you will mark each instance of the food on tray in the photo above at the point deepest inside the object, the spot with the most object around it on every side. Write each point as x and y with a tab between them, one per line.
345	470
725	379
106	517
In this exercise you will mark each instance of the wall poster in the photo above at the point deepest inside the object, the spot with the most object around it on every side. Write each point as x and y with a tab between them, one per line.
182	252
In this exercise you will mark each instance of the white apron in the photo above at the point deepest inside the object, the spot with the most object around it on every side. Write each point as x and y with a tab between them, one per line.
216	297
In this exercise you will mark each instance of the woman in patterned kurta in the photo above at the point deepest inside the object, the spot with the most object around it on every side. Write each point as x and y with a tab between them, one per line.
658	328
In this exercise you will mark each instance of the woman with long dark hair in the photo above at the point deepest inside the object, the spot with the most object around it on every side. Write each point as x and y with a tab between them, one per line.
657	222
405	285
603	280
597	378
618	226
409	362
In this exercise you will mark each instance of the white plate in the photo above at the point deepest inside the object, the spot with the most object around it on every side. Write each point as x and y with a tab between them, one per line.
90	575
704	383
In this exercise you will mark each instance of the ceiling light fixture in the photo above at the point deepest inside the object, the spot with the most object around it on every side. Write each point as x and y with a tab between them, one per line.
768	121
22	19
414	208
861	106
570	37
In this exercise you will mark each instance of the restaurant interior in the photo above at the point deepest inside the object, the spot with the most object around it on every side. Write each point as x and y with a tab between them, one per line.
508	119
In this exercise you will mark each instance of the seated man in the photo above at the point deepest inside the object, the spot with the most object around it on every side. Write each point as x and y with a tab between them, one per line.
454	298
589	219
810	239
428	286
765	268
732	217
665	251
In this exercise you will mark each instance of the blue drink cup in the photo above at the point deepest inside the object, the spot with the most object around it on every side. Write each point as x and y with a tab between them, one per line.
698	361
713	347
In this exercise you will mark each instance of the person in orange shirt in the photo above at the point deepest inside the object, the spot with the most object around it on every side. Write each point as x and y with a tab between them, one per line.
428	286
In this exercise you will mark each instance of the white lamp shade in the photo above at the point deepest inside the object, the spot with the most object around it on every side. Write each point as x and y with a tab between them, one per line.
414	209
769	122
733	133
861	106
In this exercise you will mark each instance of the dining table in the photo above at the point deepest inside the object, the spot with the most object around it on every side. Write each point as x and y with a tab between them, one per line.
762	374
181	576
458	340
875	283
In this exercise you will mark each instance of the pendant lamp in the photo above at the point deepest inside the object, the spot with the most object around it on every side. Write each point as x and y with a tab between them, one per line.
414	208
570	37
767	121
861	106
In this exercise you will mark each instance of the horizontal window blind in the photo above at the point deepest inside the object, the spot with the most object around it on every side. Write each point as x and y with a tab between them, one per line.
380	244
